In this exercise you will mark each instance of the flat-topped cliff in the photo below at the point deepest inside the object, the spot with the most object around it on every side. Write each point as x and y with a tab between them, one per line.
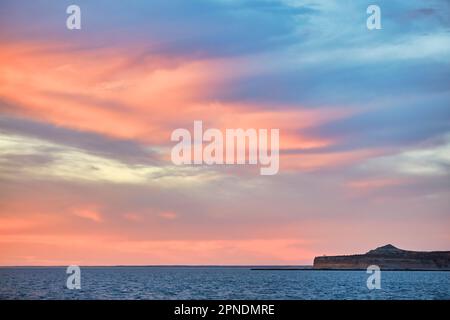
387	258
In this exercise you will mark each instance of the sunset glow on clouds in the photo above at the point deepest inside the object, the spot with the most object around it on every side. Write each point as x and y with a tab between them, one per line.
86	118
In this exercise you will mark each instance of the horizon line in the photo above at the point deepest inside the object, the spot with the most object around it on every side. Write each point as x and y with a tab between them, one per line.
159	265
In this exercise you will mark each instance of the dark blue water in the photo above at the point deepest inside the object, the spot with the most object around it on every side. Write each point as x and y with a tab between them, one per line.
218	283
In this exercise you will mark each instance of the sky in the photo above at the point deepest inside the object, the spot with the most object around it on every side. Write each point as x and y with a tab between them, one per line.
86	117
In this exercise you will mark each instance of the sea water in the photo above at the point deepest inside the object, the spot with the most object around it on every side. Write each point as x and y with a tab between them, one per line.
218	283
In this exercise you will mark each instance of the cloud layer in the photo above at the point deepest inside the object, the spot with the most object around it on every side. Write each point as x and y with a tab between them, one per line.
86	118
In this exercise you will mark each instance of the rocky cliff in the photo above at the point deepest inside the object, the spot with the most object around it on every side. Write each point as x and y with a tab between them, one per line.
387	258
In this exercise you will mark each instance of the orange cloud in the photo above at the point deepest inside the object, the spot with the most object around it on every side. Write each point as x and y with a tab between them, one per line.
88	213
370	184
169	215
113	93
100	91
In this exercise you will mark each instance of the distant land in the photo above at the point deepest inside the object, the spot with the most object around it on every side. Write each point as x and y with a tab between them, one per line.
387	257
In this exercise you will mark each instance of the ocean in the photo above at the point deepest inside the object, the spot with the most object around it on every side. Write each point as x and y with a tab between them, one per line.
218	283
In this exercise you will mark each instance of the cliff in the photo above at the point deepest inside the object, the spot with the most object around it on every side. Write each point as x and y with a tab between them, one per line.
387	258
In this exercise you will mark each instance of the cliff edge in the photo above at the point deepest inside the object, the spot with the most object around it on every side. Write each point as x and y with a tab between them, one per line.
387	257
